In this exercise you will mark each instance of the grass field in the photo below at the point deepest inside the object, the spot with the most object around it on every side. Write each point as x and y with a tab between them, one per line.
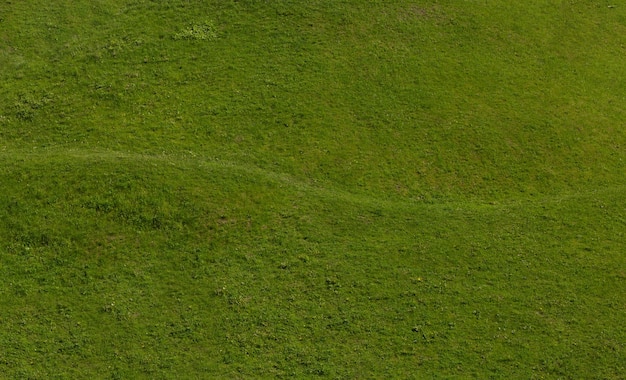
334	189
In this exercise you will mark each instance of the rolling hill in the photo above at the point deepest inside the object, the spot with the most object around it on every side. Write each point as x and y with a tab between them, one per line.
334	189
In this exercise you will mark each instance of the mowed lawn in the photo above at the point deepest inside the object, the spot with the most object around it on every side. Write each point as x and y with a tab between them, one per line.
200	189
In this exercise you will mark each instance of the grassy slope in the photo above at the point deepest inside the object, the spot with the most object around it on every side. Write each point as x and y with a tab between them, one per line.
393	190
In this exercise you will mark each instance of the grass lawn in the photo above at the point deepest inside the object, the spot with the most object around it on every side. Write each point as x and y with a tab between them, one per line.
334	189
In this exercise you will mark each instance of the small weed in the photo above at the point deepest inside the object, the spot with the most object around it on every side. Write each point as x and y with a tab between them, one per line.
27	105
203	31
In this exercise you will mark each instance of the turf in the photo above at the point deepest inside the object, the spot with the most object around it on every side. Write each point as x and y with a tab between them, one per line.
333	189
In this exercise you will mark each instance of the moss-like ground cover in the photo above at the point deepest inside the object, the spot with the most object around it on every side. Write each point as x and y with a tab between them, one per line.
334	189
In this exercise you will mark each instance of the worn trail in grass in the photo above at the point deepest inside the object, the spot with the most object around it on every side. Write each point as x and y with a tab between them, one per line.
190	162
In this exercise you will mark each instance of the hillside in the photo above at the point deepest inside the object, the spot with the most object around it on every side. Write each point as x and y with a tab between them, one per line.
268	189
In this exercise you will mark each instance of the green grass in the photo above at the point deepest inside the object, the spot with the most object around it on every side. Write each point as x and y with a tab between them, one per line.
254	189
